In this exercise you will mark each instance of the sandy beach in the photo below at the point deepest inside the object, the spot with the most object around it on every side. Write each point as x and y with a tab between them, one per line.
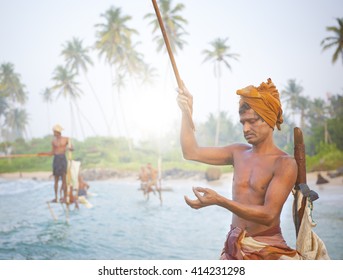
27	175
47	176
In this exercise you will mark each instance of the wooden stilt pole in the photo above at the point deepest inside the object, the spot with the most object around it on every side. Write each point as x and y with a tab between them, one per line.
51	211
299	155
301	182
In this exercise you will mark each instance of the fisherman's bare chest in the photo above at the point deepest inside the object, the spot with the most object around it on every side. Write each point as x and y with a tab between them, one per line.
253	173
59	142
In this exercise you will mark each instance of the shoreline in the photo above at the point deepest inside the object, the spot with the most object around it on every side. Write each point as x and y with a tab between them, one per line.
47	176
37	175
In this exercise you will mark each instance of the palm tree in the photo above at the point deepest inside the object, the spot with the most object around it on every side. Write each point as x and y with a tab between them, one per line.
13	95
114	35
17	120
115	43
76	57
318	114
336	40
303	107
3	105
335	120
47	98
295	102
3	108
148	74
219	54
336	106
11	86
173	23
291	95
66	86
132	63
284	137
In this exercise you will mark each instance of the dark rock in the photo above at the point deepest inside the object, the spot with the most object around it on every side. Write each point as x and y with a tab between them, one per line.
321	180
213	174
337	173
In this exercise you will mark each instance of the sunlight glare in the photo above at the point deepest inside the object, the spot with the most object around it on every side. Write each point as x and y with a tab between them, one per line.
152	114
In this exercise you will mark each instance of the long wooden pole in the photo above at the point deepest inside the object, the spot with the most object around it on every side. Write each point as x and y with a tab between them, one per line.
25	155
171	56
69	180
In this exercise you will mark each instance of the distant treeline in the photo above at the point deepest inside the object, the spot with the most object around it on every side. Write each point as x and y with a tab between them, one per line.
324	147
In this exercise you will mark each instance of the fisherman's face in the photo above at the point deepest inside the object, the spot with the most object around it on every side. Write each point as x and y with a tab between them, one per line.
255	129
56	133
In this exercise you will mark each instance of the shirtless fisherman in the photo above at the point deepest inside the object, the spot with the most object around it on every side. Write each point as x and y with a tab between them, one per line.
263	177
59	166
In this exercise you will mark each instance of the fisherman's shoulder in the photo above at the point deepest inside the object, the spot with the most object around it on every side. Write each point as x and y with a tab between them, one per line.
237	147
285	160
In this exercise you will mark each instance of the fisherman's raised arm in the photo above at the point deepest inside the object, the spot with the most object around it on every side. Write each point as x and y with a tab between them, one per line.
190	148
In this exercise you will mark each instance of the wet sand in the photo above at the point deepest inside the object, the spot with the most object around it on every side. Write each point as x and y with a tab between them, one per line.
27	175
42	176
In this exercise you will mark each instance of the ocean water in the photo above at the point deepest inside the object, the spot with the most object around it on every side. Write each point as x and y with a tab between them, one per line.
122	225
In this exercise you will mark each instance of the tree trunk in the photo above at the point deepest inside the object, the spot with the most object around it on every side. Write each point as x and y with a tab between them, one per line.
99	104
216	139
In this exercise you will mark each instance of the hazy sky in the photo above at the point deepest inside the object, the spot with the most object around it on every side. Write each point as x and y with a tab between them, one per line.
276	39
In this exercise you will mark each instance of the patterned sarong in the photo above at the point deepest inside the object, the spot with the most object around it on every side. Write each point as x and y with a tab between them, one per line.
266	245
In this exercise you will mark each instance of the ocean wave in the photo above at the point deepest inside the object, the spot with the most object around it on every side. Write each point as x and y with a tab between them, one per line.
20	186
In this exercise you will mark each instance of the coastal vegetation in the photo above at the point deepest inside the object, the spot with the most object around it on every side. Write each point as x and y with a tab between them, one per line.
101	152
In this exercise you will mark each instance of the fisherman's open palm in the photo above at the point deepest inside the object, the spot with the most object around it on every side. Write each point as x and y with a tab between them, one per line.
205	197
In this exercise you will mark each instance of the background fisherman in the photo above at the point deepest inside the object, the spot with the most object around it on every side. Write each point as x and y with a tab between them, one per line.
60	145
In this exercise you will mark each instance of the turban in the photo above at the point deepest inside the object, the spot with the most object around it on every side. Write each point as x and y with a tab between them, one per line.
265	101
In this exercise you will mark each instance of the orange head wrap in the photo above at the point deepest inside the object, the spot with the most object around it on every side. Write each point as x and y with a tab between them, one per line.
265	101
